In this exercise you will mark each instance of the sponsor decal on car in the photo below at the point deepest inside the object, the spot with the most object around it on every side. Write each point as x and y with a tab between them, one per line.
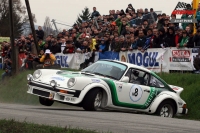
153	94
95	80
58	78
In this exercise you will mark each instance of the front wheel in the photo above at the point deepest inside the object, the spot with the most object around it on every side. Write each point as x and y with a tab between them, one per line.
92	100
45	102
166	109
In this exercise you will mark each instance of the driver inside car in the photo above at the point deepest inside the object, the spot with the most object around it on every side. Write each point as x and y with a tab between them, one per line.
135	79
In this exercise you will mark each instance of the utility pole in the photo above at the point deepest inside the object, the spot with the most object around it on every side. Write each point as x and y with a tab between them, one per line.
32	25
14	56
53	21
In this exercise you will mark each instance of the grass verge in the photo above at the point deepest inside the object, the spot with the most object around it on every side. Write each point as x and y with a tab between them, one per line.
12	126
191	93
14	91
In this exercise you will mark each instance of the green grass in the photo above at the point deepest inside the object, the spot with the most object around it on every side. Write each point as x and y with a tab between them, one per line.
14	91
191	94
12	126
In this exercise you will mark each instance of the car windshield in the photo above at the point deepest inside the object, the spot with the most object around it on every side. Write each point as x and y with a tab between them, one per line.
108	69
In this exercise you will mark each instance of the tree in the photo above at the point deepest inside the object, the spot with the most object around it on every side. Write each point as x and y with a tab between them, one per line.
19	18
47	28
84	16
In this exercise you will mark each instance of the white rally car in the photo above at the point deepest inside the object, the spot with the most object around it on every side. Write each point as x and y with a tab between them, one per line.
108	84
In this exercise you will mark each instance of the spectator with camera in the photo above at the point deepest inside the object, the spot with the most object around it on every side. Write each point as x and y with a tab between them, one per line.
47	59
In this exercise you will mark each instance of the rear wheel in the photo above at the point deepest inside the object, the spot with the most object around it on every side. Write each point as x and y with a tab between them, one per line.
166	109
92	100
45	102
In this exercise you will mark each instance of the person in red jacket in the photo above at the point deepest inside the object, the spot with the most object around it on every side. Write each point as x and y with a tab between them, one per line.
69	48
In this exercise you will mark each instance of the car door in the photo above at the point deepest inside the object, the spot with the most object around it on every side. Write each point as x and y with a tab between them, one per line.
135	93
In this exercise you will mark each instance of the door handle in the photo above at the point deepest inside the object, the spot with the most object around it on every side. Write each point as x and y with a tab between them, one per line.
147	91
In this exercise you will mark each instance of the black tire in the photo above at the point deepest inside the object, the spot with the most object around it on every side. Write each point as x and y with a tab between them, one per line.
45	102
166	105
89	100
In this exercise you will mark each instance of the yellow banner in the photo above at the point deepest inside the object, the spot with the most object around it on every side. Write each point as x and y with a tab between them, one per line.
4	39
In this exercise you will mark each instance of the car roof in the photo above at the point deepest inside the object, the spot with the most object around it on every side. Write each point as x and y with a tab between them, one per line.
128	64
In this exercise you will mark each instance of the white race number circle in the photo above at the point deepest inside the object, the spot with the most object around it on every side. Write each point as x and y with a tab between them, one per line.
135	93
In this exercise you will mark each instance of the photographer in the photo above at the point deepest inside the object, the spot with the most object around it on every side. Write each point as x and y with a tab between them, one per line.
47	59
7	68
29	60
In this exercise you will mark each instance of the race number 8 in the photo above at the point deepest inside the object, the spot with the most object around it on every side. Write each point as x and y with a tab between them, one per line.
135	93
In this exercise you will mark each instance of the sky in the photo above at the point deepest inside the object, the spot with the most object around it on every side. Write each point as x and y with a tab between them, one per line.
66	11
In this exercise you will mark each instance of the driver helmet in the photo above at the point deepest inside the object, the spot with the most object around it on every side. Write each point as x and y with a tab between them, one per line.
136	73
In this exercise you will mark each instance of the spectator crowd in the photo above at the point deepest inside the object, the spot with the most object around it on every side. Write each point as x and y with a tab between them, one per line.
120	30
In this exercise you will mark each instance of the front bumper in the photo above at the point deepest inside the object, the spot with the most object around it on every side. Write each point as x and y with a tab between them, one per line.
182	111
53	93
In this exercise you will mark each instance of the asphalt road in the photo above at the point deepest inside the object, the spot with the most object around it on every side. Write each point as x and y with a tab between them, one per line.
116	122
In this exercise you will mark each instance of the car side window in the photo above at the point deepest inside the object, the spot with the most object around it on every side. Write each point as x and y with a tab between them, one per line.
137	76
154	82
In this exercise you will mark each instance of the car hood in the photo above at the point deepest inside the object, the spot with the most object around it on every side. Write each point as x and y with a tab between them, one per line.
62	77
177	89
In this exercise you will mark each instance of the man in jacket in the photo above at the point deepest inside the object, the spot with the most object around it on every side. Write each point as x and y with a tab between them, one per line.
95	13
40	33
141	40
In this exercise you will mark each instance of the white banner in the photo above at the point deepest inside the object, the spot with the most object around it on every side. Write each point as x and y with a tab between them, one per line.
180	59
78	59
151	59
64	60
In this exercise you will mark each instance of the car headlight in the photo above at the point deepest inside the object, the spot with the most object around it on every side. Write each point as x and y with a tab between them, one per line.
29	77
53	83
37	74
71	82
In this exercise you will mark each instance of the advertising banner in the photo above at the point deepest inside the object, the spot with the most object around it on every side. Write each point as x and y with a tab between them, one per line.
64	60
156	60
151	59
180	59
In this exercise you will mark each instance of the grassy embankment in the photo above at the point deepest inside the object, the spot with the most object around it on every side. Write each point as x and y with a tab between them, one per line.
14	91
11	126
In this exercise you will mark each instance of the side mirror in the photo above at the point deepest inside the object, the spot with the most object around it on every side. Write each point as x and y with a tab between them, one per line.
125	79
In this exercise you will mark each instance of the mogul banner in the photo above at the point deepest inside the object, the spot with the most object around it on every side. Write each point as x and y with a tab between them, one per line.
153	59
180	59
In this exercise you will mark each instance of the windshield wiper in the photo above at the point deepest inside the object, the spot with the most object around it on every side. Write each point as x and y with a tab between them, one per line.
105	75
